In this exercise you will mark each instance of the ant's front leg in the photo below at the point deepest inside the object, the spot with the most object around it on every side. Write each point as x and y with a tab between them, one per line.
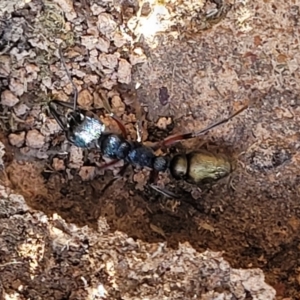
184	136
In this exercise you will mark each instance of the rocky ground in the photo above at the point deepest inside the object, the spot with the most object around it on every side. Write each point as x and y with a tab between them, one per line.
71	230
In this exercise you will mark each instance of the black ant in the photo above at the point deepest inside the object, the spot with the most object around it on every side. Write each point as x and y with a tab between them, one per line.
84	129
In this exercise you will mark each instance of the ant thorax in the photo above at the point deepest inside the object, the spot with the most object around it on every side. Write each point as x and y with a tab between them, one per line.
83	130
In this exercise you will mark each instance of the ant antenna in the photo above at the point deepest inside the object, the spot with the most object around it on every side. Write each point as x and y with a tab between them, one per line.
75	90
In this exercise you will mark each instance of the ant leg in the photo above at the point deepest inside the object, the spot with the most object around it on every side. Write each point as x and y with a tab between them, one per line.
164	192
184	136
62	103
56	115
108	164
75	90
112	115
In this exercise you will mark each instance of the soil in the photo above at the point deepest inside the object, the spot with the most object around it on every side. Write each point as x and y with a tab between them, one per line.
81	231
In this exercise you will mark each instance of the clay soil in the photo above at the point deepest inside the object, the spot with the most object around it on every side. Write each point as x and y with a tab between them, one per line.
77	222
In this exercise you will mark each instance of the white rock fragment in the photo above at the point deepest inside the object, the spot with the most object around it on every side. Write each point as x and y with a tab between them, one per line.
106	24
76	157
58	164
119	39
31	68
136	59
21	109
109	61
47	82
137	56
36	43
8	98
91	79
89	41
92	29
96	9
16	87
21	55
17	139
67	7
49	127
103	45
78	73
35	139
108	83
124	71
5	66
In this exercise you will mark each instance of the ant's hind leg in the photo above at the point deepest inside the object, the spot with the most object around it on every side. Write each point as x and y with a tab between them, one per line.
184	136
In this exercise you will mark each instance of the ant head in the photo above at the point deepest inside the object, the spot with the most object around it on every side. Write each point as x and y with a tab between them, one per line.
74	118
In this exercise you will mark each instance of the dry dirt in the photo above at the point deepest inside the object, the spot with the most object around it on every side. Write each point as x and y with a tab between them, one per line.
83	233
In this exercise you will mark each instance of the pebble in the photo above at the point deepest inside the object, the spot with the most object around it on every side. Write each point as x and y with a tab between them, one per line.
8	98
35	139
17	87
21	109
109	61
119	39
76	157
96	9
106	24
118	105
58	164
124	71
87	173
68	8
17	139
163	122
85	99
103	45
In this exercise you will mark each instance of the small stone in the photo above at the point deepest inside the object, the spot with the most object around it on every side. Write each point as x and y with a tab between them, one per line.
94	79
35	139
78	73
32	68
76	157
109	61
17	139
89	41
87	173
124	71
21	109
16	87
67	7
5	66
103	45
98	102
8	98
50	126
96	9
146	9
58	164
163	122
137	59
119	39
108	83
106	24
85	99
118	105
